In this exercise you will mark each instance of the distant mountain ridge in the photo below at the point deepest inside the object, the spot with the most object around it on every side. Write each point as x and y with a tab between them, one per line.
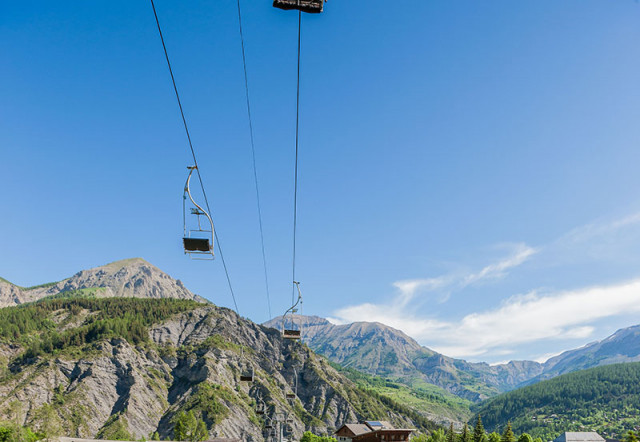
384	351
622	346
133	277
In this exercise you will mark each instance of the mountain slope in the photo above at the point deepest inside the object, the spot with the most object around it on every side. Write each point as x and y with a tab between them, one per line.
622	346
377	349
127	278
384	351
603	399
127	367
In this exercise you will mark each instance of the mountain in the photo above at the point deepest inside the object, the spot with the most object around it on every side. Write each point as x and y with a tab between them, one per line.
124	367
127	278
378	349
622	346
602	399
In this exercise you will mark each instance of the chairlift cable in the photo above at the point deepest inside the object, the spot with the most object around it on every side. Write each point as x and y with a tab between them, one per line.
193	153
295	186
253	155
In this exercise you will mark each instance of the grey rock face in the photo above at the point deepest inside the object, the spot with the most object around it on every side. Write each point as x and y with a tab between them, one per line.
193	362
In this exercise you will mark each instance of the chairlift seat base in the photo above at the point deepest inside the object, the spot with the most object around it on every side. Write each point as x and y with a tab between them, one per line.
311	6
291	334
196	244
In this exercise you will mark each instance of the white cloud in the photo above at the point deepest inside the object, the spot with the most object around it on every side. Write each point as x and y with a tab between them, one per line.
602	228
498	270
519	320
409	288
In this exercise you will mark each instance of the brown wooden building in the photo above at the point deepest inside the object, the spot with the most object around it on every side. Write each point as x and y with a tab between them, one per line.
372	431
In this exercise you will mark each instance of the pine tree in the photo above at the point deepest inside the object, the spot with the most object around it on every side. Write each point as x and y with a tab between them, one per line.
451	435
478	432
437	436
508	436
631	437
465	436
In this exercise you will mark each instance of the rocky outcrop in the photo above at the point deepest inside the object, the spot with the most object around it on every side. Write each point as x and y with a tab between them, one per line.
10	294
192	361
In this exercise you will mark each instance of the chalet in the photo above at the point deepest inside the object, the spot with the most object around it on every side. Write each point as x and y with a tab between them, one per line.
372	431
583	436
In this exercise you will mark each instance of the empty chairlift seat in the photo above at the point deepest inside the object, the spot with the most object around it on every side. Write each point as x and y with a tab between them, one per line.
291	334
246	377
196	244
312	6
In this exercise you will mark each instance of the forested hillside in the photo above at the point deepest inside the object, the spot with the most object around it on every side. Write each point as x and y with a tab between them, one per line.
126	368
435	403
603	399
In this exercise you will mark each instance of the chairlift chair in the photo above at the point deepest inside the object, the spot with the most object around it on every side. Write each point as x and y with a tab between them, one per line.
294	393
198	239
246	375
312	6
291	330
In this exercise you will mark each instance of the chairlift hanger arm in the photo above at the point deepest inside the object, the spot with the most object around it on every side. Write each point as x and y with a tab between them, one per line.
293	307
187	191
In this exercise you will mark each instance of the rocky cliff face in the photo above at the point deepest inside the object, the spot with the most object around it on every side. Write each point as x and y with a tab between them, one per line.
10	294
192	361
127	278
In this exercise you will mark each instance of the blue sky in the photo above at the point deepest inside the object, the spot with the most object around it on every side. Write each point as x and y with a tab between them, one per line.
468	170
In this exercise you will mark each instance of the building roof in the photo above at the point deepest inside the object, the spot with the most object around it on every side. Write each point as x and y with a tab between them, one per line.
357	429
377	425
590	436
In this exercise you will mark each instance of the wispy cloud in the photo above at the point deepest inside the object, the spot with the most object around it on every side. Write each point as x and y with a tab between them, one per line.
517	320
407	289
601	228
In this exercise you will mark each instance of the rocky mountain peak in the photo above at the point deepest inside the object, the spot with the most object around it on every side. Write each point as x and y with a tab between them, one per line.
133	277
